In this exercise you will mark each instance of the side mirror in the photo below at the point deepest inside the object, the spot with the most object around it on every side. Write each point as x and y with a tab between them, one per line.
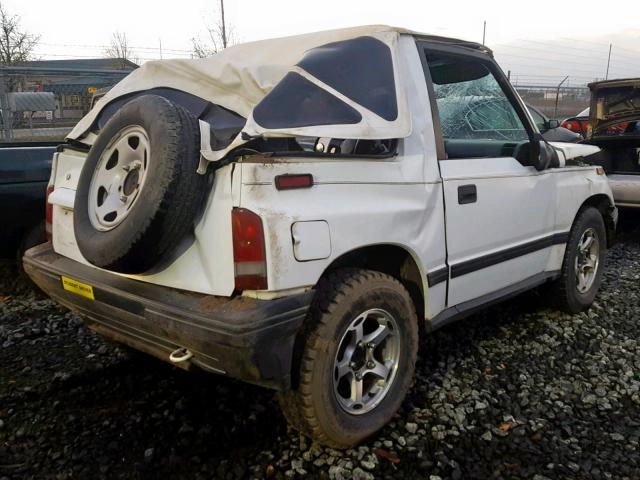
551	124
547	157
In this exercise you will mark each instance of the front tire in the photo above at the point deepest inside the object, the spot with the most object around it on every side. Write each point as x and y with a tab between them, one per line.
358	358
583	263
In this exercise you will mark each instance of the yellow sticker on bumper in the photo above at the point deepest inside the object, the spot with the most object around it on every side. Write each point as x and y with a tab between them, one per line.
77	287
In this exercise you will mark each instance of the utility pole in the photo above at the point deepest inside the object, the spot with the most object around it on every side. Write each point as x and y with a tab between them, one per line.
484	31
160	40
555	112
7	120
224	27
606	77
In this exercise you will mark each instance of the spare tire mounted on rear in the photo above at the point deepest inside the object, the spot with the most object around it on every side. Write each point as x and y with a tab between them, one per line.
139	194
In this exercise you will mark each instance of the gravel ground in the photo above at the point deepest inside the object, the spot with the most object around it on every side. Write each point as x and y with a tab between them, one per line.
517	391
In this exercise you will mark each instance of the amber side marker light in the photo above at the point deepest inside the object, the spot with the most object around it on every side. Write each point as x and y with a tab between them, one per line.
293	181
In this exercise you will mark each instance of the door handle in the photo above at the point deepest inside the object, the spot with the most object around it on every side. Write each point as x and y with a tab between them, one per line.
467	194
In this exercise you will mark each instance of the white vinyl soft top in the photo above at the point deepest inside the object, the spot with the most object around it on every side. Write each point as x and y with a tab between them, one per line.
339	84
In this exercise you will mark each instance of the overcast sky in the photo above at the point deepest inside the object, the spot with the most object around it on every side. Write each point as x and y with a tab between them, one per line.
538	41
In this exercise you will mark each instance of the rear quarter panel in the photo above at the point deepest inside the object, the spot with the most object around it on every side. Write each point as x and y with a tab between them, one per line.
364	202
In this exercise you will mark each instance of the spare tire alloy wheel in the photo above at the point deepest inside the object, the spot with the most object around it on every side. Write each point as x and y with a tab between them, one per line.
367	361
119	178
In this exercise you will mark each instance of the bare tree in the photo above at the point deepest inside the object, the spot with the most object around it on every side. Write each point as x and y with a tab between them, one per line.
120	49
218	36
16	45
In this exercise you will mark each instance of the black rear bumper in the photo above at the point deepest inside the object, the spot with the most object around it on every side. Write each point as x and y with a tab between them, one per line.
245	338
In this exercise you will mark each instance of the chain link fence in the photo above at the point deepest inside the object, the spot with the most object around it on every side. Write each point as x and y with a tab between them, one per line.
43	103
555	103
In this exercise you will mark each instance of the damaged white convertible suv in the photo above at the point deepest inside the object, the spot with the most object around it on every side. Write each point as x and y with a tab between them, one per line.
295	212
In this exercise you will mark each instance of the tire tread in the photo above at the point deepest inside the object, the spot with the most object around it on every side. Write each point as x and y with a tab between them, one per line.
297	405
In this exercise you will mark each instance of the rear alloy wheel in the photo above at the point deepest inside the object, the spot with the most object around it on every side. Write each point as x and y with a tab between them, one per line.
366	362
358	354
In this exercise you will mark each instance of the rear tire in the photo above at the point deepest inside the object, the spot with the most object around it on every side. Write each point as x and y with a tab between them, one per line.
361	335
583	263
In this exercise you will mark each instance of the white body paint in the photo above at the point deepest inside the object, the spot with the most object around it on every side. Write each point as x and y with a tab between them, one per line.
356	203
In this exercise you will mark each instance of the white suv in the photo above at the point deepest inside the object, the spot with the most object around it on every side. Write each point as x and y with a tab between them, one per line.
295	212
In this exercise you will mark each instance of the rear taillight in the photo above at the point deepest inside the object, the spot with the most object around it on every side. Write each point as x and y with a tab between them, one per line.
578	126
48	214
249	254
619	128
584	126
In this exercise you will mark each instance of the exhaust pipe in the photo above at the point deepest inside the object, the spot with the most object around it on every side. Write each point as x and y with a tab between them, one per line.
180	355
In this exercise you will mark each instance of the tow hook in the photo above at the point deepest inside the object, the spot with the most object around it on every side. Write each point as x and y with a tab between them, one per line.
180	355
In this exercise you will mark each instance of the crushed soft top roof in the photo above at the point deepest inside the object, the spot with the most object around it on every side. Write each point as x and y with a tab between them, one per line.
340	83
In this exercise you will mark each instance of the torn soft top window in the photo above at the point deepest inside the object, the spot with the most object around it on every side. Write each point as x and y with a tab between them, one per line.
349	82
296	102
225	125
360	69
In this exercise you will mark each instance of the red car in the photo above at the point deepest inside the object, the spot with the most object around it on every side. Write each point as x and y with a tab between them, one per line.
580	124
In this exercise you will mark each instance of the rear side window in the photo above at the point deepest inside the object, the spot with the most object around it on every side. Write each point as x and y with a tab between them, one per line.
361	69
296	102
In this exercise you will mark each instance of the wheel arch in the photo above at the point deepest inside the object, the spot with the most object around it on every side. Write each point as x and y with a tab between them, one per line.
392	259
605	206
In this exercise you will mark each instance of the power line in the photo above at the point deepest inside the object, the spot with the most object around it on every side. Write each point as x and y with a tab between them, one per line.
71	57
615	46
546	60
545	51
164	49
557	45
594	71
